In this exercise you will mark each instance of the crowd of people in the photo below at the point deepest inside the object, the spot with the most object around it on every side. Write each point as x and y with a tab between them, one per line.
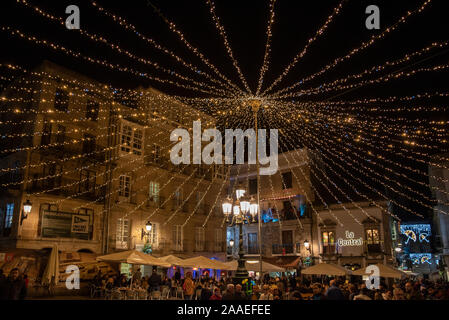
280	288
14	286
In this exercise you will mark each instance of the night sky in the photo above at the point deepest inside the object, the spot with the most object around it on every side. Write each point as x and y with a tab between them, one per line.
245	24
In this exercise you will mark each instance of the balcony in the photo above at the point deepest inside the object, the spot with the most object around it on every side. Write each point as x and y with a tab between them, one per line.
286	248
69	188
65	147
329	249
156	202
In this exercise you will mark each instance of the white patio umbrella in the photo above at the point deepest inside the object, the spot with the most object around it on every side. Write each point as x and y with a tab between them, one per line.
384	271
174	260
326	269
51	272
254	266
134	257
206	263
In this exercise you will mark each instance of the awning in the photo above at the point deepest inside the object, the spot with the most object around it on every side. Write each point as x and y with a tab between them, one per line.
134	257
326	269
384	271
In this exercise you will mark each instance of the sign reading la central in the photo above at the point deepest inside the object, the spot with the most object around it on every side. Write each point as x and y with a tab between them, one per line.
349	241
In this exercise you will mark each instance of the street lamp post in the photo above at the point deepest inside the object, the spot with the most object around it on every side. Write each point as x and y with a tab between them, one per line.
255	105
236	214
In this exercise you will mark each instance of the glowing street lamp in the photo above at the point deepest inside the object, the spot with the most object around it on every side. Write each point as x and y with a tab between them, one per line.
26	210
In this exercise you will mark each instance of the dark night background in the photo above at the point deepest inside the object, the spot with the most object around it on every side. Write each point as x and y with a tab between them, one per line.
245	24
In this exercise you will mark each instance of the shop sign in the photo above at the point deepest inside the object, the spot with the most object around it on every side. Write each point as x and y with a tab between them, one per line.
349	241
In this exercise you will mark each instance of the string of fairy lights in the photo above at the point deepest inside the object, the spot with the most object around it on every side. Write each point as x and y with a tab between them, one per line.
369	145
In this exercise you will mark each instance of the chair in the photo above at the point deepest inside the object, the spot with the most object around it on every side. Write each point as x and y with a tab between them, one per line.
155	295
179	292
95	290
131	295
142	295
165	292
197	294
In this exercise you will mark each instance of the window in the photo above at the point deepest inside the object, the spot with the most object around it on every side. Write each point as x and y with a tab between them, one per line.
46	133
178	199
154	192
219	171
153	236
60	137
252	243
328	241
199	238
92	110
88	143
287	241
177	237
87	181
122	235
124	186
61	100
127	135
218	240
252	186
16	175
156	153
137	142
53	174
200	201
287	180
9	215
373	240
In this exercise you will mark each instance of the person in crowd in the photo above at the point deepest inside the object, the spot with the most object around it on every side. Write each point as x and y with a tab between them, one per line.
229	294
154	281
411	293
188	286
123	281
317	291
387	295
296	296
398	294
13	287
334	292
206	292
216	295
363	295
110	284
137	276
239	294
277	295
256	293
353	291
266	294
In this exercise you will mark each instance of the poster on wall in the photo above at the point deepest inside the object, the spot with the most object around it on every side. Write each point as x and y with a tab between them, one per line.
57	224
80	224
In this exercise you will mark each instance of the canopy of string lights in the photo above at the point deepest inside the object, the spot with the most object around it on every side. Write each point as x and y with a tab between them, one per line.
369	106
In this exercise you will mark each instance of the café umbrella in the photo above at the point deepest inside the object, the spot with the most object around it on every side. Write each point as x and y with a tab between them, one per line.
51	272
254	266
384	272
174	260
206	263
134	257
326	269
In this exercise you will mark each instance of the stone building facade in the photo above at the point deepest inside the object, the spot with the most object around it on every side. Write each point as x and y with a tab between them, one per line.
97	169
